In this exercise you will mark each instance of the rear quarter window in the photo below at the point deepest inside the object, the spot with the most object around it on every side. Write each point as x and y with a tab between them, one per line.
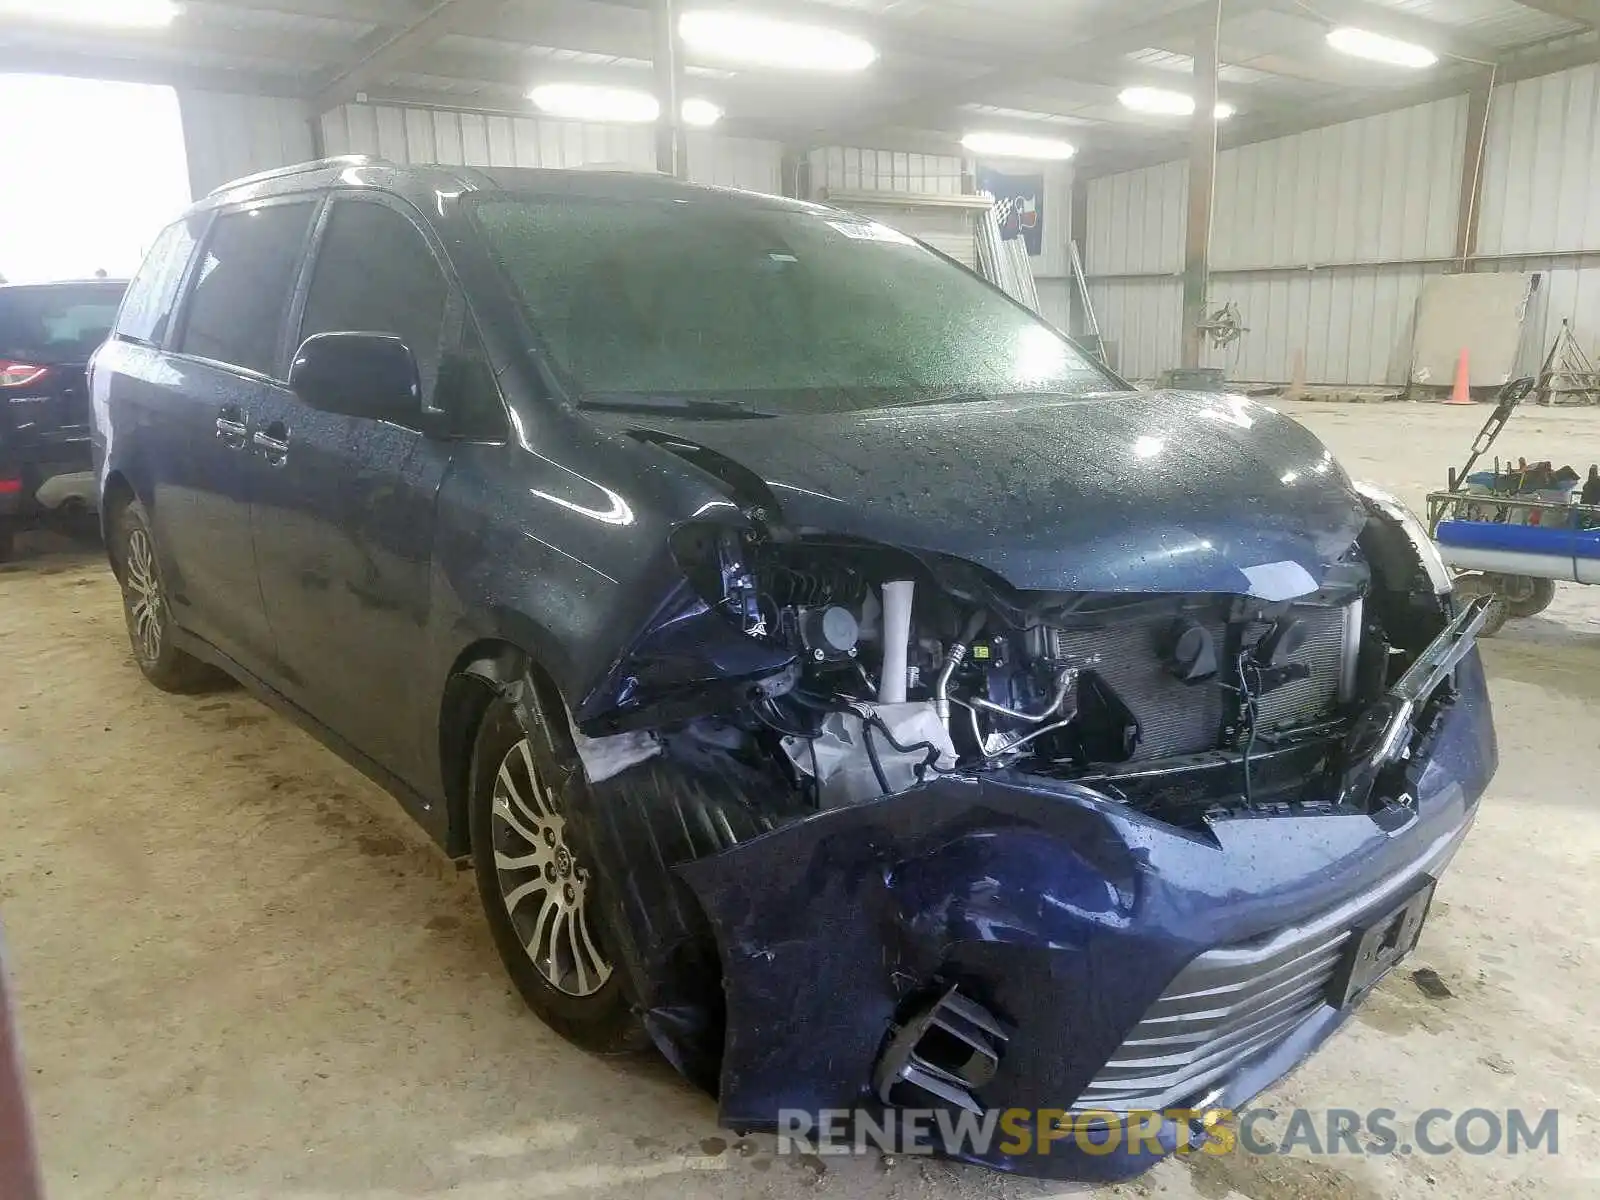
147	310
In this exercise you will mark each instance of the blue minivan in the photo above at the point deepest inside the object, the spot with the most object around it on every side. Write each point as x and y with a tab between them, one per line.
833	675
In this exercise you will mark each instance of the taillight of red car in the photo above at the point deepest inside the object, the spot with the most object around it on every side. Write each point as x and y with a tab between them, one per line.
20	374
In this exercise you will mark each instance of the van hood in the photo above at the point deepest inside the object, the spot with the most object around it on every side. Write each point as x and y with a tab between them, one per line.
1132	491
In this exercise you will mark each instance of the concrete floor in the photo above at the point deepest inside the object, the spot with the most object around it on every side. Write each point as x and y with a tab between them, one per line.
243	975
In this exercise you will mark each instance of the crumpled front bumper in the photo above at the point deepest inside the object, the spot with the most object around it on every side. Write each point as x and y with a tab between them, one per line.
1061	912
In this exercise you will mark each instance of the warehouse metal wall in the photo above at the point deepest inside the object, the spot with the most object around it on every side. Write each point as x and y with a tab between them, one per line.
227	135
416	135
1322	240
1541	202
1325	239
230	135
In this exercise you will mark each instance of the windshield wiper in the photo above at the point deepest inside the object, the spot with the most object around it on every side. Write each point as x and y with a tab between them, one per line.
687	406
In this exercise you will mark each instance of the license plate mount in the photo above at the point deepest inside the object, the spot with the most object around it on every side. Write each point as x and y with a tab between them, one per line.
1378	945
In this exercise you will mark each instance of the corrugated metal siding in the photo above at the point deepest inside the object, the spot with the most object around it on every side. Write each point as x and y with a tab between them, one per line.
1143	318
1570	290
1382	188
749	163
1354	326
228	135
1055	302
1350	203
415	135
418	135
1541	201
1542	166
1137	221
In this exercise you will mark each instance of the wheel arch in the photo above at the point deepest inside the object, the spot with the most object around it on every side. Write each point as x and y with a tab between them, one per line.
116	494
481	672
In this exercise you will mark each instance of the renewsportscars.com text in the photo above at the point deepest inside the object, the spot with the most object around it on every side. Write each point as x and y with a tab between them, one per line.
1017	1132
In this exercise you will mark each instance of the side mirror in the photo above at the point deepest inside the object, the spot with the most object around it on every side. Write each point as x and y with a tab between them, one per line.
358	375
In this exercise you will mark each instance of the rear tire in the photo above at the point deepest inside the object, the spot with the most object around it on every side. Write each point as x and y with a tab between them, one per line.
1534	596
8	544
539	891
145	606
1473	584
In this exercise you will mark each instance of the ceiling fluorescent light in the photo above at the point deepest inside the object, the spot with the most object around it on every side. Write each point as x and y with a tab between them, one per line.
1171	104
585	102
702	114
1378	48
765	42
93	12
1016	145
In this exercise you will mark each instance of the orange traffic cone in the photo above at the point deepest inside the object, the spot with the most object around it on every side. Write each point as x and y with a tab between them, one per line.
1462	392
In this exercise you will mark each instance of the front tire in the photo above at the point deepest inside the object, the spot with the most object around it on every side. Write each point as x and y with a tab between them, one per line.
538	889
146	609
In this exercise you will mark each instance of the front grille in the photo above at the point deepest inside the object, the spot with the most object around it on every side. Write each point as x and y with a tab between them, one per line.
1225	1006
1236	1001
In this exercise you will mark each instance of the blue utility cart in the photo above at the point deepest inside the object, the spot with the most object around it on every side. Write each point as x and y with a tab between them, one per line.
1511	537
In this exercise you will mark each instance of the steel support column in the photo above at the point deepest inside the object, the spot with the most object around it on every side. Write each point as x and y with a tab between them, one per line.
1202	184
672	145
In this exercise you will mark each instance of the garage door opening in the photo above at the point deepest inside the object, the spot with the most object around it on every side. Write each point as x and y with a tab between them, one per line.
94	171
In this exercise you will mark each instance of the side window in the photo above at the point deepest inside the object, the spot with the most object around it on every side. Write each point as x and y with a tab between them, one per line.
243	285
146	311
468	391
375	274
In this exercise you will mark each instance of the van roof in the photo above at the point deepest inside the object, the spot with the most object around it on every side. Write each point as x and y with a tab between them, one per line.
423	183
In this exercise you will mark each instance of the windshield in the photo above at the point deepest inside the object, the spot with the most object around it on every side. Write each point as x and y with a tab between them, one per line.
673	300
56	325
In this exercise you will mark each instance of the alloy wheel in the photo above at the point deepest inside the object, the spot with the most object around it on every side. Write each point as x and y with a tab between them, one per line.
146	604
543	885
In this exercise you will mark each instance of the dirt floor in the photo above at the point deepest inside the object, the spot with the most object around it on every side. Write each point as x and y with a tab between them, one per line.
242	974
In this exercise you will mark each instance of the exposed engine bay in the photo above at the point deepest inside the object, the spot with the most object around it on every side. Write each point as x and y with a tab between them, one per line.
887	669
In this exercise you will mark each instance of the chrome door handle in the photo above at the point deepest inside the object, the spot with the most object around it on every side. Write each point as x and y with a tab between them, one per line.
274	450
231	433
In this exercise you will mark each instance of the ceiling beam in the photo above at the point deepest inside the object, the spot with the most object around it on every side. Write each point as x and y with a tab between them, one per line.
1378	18
386	51
1583	12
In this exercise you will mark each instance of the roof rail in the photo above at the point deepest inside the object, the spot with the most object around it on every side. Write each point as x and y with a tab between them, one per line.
305	168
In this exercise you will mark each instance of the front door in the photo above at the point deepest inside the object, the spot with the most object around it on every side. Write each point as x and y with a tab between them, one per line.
343	526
